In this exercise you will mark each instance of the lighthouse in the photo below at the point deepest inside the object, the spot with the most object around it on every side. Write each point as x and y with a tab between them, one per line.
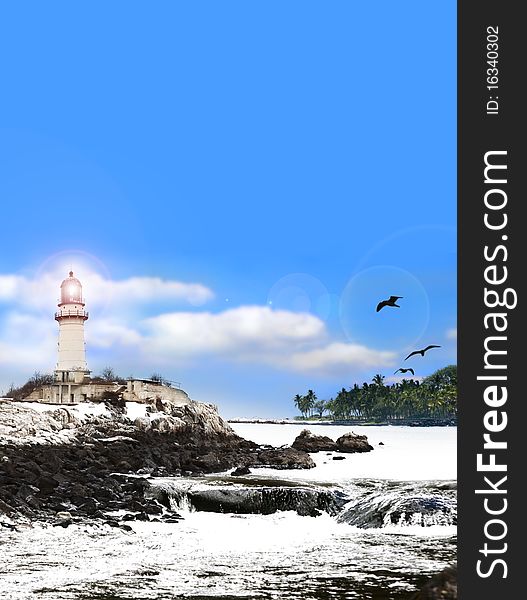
72	383
71	363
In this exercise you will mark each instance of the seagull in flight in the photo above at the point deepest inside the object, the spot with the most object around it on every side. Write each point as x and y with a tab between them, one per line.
390	302
404	371
422	352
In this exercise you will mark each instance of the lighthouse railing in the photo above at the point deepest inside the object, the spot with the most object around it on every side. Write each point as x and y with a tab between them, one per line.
71	313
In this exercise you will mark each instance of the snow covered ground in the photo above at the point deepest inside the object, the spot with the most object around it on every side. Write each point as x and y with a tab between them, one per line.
79	411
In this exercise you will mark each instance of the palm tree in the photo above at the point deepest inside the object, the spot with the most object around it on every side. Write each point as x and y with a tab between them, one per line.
320	407
436	396
378	380
298	403
311	398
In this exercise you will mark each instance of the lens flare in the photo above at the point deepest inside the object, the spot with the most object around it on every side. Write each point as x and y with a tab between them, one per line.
300	292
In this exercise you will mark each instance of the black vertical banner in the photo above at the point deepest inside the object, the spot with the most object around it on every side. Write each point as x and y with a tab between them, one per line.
492	434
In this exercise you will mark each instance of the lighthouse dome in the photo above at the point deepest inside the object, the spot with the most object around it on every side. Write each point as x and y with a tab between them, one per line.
71	290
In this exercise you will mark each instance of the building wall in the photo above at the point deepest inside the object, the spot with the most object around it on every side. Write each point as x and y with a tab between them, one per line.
140	391
135	391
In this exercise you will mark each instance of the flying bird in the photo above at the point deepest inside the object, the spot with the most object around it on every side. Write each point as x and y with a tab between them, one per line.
422	352
390	302
404	371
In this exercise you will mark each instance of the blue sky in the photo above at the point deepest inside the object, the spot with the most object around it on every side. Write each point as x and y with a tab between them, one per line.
237	184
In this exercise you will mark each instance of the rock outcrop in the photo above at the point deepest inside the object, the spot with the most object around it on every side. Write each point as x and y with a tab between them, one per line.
58	461
246	499
25	425
349	442
283	458
352	442
309	442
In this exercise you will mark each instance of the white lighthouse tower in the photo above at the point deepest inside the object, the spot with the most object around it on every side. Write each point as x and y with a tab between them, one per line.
71	364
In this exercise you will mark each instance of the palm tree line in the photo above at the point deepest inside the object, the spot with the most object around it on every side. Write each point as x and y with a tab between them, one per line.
433	397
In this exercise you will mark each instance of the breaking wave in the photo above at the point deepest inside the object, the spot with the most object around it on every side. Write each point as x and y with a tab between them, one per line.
184	495
400	504
365	504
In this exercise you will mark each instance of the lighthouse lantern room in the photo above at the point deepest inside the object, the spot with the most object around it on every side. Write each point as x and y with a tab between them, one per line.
71	364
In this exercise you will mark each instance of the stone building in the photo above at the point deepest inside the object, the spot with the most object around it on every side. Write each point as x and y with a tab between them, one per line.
133	390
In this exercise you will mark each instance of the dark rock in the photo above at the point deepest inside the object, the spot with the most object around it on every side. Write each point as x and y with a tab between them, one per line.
59	478
352	442
164	499
442	586
5	508
241	471
47	485
309	442
78	490
77	500
264	500
124	465
89	506
135	505
153	508
339	458
51	460
29	476
113	523
381	443
25	491
284	458
142	516
212	461
34	502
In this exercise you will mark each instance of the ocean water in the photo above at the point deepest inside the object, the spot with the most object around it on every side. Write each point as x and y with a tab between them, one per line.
396	529
407	453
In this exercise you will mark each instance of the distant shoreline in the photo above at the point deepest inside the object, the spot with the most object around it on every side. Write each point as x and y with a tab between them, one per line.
427	422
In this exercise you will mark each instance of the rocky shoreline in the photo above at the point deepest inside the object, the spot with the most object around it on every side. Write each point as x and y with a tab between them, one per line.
57	469
105	468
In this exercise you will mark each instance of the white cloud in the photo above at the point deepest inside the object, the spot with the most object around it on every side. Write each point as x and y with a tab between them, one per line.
283	339
106	333
42	292
339	357
246	329
149	289
451	334
9	286
28	333
260	335
28	342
